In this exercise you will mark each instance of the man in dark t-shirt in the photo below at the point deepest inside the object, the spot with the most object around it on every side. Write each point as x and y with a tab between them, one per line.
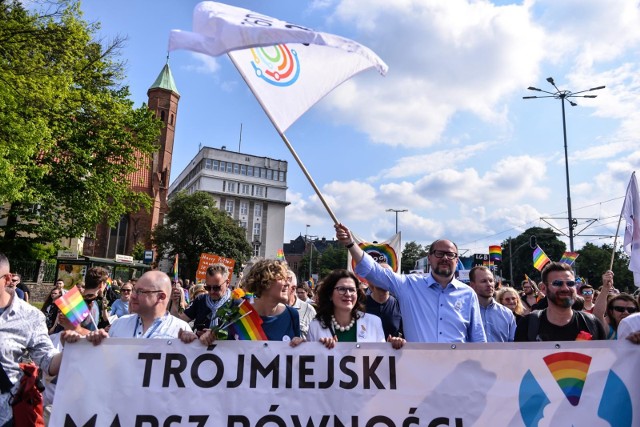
559	322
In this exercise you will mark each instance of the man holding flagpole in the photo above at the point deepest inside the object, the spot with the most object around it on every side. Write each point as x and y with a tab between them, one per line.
436	307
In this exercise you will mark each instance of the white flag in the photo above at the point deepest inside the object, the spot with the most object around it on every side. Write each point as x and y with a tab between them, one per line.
631	214
388	252
288	67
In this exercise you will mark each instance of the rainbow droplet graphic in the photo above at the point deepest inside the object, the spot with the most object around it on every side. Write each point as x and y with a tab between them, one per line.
276	65
570	372
380	252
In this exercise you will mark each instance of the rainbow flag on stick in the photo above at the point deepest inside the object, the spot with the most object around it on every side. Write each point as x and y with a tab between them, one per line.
280	255
72	305
249	326
175	269
540	259
569	257
495	253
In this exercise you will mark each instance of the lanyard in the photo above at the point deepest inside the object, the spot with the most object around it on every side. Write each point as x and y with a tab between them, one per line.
156	323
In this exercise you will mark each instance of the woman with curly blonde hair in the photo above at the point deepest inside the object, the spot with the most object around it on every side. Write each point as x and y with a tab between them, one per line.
509	298
268	281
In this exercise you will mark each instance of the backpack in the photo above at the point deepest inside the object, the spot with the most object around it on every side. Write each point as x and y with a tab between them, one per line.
534	324
27	402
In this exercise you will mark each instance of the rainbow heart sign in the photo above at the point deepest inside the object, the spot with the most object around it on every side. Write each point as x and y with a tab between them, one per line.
276	65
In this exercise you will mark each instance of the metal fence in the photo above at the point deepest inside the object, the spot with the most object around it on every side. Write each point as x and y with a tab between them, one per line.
29	270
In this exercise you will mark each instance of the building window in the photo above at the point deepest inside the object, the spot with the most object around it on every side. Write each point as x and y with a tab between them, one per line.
208	164
229	167
256	230
259	190
256	249
216	165
257	210
250	170
245	189
231	187
281	178
243	169
243	224
228	207
269	174
236	168
162	115
257	172
171	122
223	165
244	209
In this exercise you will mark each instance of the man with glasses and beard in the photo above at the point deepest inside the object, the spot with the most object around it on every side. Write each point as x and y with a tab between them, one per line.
203	309
435	307
559	322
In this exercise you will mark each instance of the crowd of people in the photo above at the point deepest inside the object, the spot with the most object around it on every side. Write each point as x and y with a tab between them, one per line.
371	304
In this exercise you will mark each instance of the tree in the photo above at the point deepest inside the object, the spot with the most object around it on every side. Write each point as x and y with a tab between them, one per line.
594	261
412	251
522	252
194	225
69	136
334	257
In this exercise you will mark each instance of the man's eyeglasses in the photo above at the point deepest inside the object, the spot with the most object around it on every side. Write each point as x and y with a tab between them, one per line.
343	290
621	309
15	280
143	292
443	254
559	283
587	292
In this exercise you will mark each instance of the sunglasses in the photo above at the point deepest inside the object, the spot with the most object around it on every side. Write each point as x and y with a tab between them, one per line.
126	291
210	288
559	283
587	292
620	309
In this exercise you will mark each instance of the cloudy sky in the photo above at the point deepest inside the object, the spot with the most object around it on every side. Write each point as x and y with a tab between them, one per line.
446	133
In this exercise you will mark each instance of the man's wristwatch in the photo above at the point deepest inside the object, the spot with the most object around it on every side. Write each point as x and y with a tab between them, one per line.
350	245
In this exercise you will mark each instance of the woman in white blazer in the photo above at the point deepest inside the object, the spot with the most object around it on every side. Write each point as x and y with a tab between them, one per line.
340	314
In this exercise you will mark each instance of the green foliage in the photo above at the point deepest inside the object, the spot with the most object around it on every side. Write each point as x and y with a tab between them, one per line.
334	257
138	251
69	135
522	253
594	261
412	251
194	225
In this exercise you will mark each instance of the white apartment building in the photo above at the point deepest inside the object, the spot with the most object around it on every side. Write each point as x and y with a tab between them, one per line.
251	189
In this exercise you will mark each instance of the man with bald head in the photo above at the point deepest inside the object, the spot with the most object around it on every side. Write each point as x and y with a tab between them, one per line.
436	307
149	301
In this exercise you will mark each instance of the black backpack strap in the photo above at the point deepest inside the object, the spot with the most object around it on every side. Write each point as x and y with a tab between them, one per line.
590	321
5	383
534	325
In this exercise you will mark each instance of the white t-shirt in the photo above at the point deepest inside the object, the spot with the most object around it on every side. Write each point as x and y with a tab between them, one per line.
130	326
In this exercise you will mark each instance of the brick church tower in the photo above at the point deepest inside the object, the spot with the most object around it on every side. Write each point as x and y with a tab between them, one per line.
152	178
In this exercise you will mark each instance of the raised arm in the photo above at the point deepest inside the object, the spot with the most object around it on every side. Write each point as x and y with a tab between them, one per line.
344	236
600	307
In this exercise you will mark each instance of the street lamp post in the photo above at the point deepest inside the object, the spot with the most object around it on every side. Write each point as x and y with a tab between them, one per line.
563	95
397	211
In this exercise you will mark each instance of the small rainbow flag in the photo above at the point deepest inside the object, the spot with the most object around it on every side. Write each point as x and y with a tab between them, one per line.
495	253
540	259
249	326
175	269
570	372
312	283
280	255
73	306
569	257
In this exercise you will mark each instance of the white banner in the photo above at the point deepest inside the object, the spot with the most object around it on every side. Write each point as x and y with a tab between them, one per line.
153	383
388	252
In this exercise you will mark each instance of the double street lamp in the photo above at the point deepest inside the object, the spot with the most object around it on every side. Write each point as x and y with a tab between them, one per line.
563	95
397	211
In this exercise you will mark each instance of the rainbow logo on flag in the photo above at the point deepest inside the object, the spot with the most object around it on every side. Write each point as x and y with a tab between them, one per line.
249	326
280	255
495	253
72	305
276	65
569	257
540	259
570	372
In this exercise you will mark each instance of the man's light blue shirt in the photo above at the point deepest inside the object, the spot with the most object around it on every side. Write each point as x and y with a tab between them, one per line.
499	322
429	312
